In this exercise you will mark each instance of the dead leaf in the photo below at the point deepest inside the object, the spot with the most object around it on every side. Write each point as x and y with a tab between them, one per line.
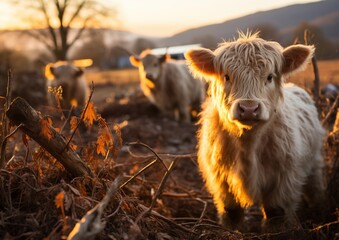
74	123
105	139
90	115
101	146
59	199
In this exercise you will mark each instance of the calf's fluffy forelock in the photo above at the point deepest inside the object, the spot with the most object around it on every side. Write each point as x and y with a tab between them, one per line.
248	63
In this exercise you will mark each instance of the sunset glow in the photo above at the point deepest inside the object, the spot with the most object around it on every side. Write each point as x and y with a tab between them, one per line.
165	18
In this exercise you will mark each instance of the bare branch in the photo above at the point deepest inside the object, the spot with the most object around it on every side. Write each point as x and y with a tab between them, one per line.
79	34
59	16
149	148
4	119
48	22
76	13
41	38
332	110
81	118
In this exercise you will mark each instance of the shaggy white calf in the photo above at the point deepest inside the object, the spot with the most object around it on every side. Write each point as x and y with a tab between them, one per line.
75	90
260	140
168	84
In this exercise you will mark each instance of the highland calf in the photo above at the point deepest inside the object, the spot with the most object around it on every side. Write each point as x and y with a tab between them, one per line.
168	84
75	90
260	140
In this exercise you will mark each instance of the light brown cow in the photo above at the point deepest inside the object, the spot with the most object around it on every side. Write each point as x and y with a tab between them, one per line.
260	140
75	90
168	84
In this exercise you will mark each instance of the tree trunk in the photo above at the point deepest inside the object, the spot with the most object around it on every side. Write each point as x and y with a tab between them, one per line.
20	112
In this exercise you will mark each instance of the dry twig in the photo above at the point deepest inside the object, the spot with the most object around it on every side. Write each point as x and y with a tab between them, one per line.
333	108
316	82
91	224
149	148
4	120
81	118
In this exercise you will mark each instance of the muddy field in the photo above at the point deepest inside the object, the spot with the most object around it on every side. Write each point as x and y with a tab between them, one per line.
162	197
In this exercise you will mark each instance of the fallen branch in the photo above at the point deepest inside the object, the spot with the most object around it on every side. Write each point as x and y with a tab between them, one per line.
91	224
20	112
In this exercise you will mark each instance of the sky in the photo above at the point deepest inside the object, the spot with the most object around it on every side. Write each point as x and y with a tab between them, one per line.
162	18
167	17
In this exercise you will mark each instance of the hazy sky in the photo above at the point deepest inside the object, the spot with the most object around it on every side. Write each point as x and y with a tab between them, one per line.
167	17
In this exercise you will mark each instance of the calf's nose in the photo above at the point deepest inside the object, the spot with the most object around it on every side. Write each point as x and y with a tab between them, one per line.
248	110
149	76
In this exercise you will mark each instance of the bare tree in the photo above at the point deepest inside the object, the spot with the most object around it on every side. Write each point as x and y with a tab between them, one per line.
58	24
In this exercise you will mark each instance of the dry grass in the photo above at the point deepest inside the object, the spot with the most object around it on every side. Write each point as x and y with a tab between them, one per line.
328	71
123	76
162	202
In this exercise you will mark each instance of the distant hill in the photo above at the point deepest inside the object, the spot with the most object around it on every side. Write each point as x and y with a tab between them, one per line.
283	21
323	14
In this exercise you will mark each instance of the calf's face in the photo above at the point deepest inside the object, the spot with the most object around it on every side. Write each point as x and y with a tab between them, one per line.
66	74
149	65
245	77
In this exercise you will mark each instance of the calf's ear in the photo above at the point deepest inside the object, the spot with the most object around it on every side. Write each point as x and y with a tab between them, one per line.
296	57
164	58
201	61
79	72
135	61
52	70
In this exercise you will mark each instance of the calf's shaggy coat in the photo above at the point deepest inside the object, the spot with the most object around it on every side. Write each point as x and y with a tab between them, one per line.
260	140
168	84
75	90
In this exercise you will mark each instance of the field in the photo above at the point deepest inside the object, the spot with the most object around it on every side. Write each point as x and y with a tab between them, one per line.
158	193
328	72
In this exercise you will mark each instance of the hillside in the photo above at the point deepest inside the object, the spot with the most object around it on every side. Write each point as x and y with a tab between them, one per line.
323	14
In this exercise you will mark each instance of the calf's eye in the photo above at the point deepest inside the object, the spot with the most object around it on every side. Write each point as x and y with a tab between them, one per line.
227	78
269	78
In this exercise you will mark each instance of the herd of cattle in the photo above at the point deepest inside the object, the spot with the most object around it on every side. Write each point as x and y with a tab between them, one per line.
260	140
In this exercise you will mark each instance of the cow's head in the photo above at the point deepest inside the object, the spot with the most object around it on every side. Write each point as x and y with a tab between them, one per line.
149	64
245	77
65	73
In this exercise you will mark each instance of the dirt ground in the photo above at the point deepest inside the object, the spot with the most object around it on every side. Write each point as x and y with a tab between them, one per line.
181	209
